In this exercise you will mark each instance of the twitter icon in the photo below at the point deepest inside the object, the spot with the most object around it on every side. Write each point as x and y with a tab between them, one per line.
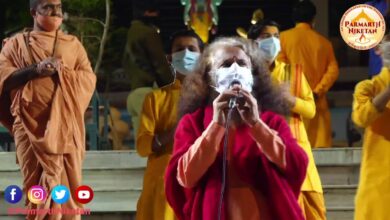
60	194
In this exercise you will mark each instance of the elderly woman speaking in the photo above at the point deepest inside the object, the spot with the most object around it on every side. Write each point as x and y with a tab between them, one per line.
234	155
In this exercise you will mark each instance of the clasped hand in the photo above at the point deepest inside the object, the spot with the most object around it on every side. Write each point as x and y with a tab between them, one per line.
48	66
246	106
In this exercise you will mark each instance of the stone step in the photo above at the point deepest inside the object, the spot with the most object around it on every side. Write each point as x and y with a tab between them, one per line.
98	180
340	213
125	208
348	156
94	160
339	195
130	159
124	169
123	201
338	166
116	177
339	175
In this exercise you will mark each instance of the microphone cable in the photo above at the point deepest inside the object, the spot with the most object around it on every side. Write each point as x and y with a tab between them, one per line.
232	104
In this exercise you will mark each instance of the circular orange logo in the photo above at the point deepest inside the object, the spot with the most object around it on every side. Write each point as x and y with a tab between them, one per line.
362	27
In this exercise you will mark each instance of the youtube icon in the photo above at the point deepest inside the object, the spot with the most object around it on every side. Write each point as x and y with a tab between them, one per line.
83	194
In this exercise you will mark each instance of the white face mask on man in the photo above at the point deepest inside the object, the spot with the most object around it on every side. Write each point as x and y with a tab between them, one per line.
224	77
385	50
270	47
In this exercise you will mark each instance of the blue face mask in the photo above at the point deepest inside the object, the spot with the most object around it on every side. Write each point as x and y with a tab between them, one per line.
270	47
184	61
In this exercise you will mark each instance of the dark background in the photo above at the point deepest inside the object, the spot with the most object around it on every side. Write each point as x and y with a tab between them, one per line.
14	16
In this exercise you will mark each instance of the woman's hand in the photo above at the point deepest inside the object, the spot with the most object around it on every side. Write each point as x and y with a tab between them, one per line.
221	106
248	110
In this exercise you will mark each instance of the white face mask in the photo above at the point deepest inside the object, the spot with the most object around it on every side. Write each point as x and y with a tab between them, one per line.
385	50
270	47
224	77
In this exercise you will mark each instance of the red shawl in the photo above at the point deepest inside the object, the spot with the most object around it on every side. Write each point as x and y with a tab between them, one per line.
281	189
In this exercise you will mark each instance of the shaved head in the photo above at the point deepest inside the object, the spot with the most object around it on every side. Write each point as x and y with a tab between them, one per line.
47	14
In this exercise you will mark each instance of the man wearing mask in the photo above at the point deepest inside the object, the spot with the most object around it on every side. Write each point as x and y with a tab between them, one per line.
371	110
144	58
374	60
301	102
302	45
158	123
47	77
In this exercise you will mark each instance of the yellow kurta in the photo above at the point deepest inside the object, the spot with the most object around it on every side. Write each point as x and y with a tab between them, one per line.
304	109
159	114
373	195
305	46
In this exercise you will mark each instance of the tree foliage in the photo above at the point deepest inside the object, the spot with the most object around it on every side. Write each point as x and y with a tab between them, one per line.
83	18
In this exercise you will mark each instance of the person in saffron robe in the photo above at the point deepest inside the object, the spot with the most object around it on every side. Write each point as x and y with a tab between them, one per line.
158	123
46	83
303	45
265	166
300	98
371	110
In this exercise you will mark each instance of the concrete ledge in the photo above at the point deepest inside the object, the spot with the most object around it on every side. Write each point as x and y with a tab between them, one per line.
339	195
94	160
116	177
337	156
339	175
340	213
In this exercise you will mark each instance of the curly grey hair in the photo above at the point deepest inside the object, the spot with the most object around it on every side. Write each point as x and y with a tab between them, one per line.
196	90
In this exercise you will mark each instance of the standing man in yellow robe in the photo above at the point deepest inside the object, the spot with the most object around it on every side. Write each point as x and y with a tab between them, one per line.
371	110
157	126
302	45
300	97
46	83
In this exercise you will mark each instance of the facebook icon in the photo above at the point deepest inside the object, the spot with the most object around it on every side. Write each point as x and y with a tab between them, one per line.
13	194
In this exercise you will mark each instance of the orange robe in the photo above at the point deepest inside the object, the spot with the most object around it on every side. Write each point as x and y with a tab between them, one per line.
302	45
46	116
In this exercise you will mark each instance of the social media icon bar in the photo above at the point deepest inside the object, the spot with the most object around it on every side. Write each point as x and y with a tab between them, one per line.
37	195
60	194
83	194
13	194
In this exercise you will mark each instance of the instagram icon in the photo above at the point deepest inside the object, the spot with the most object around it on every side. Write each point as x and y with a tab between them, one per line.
37	195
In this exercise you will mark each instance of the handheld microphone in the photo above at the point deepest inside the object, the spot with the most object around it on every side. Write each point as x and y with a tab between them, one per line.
233	100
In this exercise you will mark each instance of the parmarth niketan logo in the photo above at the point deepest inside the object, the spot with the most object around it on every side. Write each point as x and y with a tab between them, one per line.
362	27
